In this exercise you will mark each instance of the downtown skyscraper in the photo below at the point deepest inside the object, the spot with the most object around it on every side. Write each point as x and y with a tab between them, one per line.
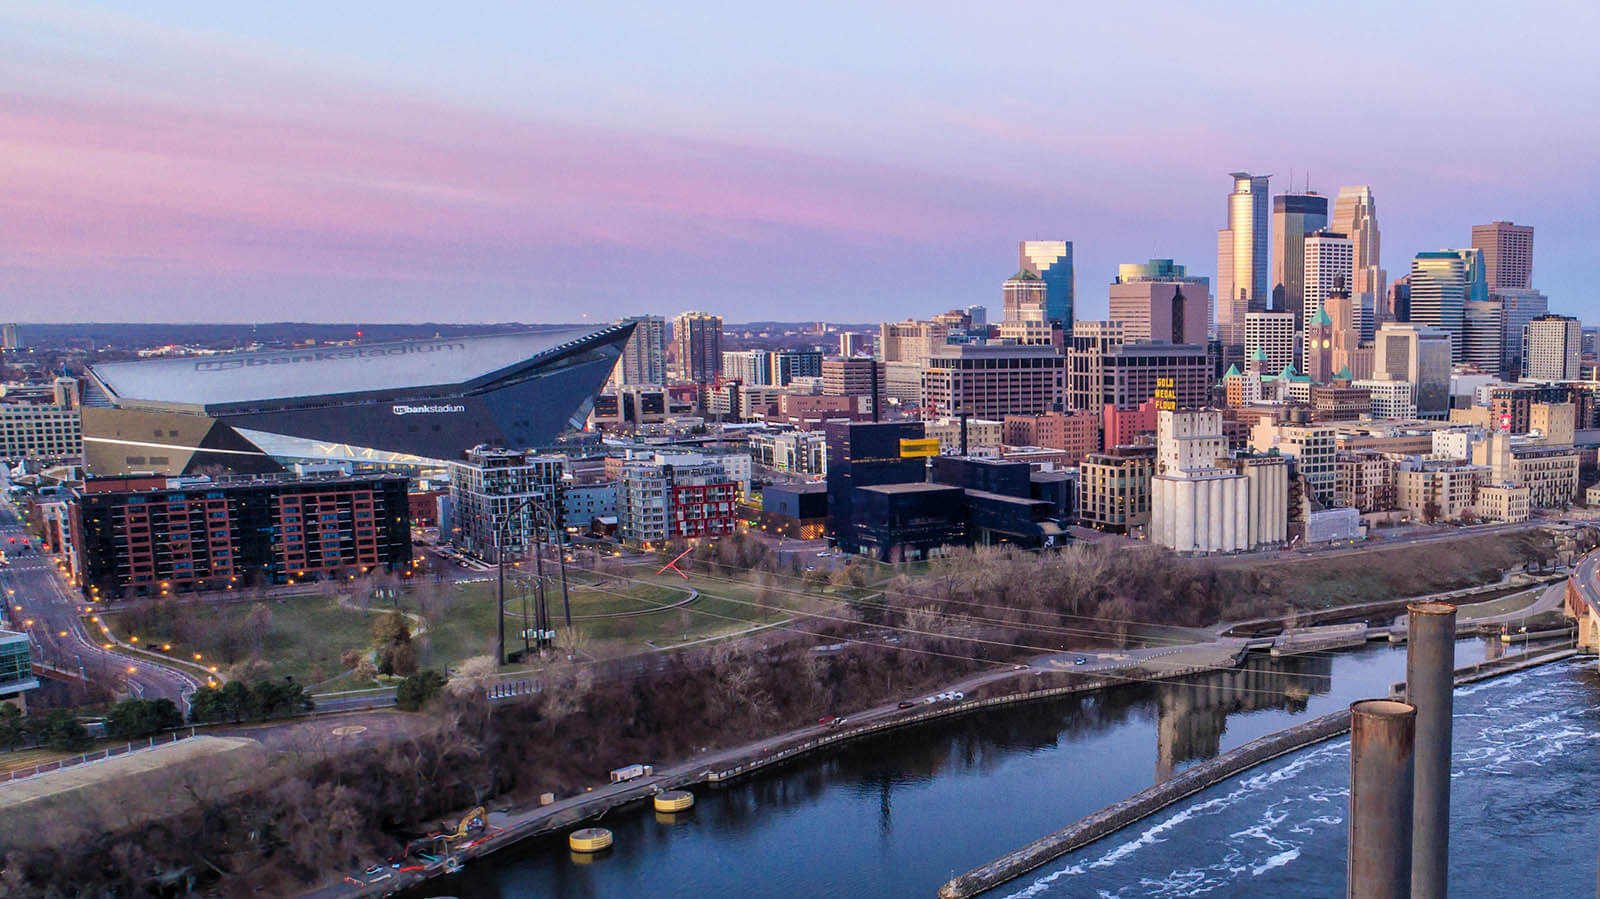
1441	284
1355	215
1051	260
1507	250
1293	217
1242	257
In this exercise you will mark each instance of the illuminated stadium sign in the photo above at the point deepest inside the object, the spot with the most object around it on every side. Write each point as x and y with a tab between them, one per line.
433	409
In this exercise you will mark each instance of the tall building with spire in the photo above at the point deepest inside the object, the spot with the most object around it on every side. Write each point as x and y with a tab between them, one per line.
1293	217
1355	215
1242	257
1051	261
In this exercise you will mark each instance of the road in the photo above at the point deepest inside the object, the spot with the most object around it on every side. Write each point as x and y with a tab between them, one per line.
42	604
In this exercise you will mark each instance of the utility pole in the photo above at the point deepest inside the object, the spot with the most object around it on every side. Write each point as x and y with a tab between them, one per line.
500	606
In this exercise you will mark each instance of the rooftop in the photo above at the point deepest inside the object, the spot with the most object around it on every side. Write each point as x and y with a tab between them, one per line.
247	377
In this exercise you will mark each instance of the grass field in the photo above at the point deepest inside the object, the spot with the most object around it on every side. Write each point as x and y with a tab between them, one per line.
310	633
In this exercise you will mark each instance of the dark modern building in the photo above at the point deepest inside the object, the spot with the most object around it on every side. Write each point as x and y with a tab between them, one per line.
151	536
797	511
999	502
909	521
869	454
395	403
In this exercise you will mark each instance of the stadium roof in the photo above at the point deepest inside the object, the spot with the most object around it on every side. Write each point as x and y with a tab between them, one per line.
246	377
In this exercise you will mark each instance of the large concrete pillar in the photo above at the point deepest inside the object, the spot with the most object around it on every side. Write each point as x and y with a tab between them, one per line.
1430	688
1382	766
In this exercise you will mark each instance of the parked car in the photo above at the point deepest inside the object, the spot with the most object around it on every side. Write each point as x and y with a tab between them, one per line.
1080	660
908	705
828	720
958	695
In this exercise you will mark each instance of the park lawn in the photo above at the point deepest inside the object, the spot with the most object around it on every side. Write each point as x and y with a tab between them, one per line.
307	637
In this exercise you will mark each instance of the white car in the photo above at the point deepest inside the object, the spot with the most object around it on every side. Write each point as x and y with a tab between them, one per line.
958	695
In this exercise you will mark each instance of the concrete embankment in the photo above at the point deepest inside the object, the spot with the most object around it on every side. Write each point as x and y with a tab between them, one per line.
543	824
1113	818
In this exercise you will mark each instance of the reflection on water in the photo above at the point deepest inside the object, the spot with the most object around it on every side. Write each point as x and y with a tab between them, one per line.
899	814
1192	716
1522	800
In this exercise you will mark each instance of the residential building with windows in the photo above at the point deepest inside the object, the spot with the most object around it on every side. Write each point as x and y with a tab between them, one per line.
40	431
644	356
672	496
1114	488
152	536
981	433
1438	490
1312	446
1505	503
496	496
910	341
1364	480
697	338
1552	347
1078	433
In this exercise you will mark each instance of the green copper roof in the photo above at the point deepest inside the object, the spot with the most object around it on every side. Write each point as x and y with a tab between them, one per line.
1233	371
1026	275
1260	356
1322	318
1345	375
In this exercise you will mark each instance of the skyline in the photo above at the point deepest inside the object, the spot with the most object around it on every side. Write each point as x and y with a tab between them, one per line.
207	164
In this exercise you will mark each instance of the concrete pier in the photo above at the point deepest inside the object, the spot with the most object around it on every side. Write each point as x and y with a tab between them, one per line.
1382	770
1430	689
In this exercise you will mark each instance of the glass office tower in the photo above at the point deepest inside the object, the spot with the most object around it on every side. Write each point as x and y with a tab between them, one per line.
1051	260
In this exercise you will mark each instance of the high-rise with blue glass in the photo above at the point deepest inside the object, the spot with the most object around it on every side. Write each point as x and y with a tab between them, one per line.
1442	283
1051	260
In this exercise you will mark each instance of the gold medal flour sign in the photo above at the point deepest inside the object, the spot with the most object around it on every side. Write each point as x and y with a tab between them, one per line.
1166	394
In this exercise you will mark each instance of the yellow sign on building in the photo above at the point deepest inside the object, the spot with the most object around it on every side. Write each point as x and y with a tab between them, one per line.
1166	394
914	448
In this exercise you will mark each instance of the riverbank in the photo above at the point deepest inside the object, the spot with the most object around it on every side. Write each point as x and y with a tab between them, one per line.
1101	670
1202	776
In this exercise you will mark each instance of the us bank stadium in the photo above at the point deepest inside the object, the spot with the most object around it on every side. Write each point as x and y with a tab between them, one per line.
407	402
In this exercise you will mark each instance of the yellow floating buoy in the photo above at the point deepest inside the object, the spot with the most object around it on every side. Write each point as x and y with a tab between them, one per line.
674	800
589	839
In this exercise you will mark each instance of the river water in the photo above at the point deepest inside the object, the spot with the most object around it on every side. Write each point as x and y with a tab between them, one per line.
1523	811
899	814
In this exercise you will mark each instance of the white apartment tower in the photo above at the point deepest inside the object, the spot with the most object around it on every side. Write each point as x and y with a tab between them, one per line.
1552	345
1269	339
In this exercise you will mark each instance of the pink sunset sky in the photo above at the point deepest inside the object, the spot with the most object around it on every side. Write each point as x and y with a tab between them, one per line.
410	161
